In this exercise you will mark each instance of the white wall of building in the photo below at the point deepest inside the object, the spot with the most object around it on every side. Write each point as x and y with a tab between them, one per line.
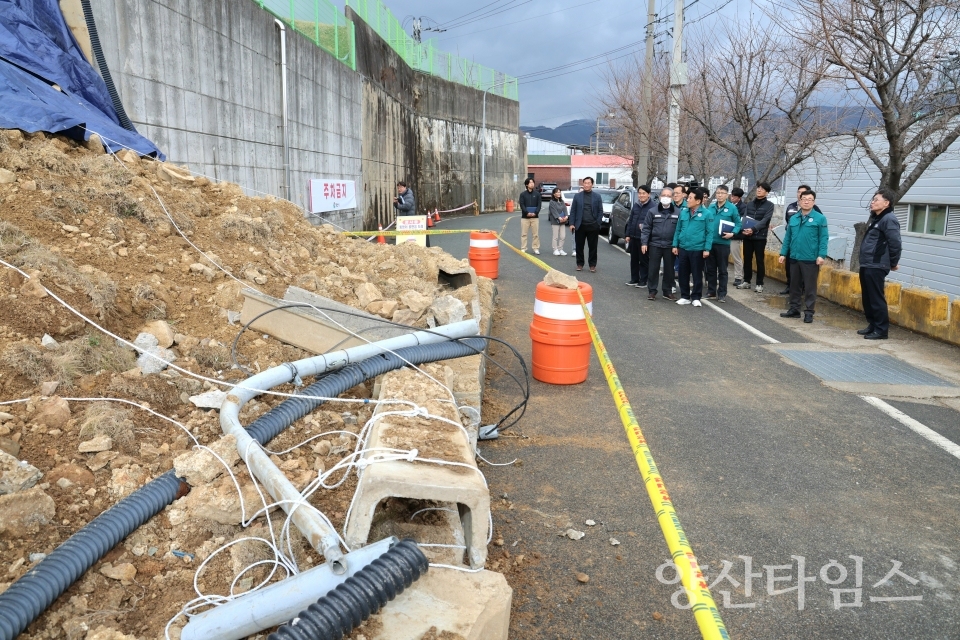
540	147
845	182
623	175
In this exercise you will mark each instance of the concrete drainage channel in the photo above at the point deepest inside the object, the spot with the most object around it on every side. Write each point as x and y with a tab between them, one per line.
417	448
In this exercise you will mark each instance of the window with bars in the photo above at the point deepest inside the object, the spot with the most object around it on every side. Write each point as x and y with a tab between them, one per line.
930	219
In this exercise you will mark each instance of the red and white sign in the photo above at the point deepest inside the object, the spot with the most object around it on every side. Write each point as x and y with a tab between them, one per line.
327	194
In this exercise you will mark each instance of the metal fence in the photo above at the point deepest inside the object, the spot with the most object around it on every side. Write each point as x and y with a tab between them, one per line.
427	58
320	21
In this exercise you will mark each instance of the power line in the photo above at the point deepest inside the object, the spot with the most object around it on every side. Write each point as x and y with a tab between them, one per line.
508	24
457	19
488	14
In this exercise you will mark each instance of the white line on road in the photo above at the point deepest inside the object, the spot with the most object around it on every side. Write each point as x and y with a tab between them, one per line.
918	427
921	429
754	331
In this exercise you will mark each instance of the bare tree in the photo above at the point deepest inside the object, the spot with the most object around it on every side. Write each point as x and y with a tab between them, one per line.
623	100
755	98
895	57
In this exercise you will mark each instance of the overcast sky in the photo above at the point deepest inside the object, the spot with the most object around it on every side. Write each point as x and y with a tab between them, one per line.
524	36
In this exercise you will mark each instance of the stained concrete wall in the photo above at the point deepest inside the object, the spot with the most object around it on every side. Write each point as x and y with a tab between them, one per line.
427	131
202	80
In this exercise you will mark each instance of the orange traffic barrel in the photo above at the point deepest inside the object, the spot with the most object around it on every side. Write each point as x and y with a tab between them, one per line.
484	253
509	206
561	340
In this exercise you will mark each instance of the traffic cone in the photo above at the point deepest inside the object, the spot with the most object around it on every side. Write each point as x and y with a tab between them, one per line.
436	216
380	238
429	221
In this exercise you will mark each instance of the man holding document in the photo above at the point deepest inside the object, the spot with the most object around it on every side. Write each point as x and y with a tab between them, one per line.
529	203
806	245
727	219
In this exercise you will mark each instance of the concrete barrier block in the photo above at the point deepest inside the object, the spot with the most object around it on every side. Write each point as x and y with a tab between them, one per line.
434	439
823	281
447	604
922	310
953	330
773	267
845	289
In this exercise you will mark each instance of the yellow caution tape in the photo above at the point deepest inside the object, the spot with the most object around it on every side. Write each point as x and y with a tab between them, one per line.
413	232
704	608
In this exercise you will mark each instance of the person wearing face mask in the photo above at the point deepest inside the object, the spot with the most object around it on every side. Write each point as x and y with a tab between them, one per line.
638	259
692	242
656	240
759	211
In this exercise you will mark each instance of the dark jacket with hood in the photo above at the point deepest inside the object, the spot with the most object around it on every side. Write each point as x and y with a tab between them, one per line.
762	212
637	215
406	204
659	226
881	247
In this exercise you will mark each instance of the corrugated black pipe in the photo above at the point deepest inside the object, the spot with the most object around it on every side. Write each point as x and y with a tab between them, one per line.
36	590
342	610
30	596
102	63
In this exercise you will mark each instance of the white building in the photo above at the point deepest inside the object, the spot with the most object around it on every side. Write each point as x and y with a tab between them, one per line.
845	181
541	147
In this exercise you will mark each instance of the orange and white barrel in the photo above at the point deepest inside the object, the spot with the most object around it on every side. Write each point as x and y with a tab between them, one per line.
561	339
484	253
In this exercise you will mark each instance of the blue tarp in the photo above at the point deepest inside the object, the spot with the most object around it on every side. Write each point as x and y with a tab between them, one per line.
38	51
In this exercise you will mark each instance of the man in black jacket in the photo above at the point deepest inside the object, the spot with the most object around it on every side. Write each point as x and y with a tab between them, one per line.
656	239
632	236
586	211
530	202
760	210
879	255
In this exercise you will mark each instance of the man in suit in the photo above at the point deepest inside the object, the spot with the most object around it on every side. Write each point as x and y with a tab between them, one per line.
586	211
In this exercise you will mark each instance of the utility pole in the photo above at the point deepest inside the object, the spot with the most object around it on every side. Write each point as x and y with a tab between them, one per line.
646	100
598	135
678	78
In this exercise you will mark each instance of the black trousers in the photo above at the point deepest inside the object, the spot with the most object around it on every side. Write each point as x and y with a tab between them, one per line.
590	236
789	274
660	256
639	262
874	300
753	247
691	263
803	284
717	265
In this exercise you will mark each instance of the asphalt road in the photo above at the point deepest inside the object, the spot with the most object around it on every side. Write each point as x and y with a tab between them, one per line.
762	461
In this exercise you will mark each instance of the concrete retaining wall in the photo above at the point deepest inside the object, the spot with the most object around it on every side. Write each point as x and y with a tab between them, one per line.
202	80
921	310
427	131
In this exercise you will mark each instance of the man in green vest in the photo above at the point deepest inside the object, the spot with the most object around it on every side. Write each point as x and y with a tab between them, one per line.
806	244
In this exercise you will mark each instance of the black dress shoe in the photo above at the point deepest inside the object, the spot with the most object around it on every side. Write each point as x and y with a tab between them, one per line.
785	291
863	332
808	318
790	314
875	336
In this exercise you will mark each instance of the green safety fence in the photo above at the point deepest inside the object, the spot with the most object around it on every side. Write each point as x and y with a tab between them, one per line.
427	58
321	22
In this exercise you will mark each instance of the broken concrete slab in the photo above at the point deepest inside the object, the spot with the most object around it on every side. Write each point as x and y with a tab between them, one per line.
446	603
308	328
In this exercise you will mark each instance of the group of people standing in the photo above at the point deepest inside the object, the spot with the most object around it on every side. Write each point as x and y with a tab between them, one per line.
683	234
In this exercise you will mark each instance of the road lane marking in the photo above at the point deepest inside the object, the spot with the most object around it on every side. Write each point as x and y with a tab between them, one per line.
916	426
753	330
